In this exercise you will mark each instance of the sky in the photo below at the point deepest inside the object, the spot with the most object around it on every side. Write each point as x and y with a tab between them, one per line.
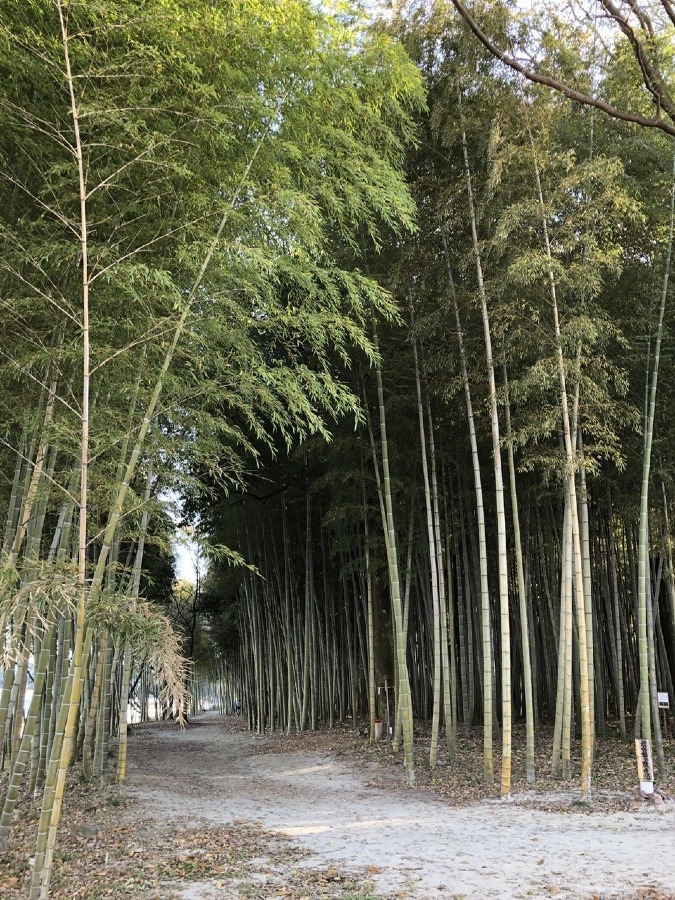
184	546
185	550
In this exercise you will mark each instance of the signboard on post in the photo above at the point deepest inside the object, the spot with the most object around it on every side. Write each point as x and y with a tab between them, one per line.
664	704
643	752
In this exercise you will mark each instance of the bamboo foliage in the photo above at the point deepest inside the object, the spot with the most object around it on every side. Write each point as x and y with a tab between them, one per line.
110	322
542	258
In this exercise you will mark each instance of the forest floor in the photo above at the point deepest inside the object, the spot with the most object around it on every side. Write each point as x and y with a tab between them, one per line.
216	813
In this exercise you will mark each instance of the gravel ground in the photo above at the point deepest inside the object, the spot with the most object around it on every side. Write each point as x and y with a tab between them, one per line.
353	815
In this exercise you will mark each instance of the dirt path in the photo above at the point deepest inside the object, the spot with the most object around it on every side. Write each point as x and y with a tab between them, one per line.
412	844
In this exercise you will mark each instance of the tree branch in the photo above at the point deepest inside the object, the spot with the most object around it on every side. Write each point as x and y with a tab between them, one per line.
670	10
44	474
650	74
37	380
561	87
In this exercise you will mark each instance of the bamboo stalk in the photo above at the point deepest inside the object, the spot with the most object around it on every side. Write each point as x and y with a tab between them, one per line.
504	619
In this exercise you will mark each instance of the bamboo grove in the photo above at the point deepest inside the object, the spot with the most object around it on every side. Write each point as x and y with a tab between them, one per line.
492	542
389	323
172	303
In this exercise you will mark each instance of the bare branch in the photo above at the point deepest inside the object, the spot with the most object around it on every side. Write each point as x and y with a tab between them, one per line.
45	206
30	258
124	515
650	73
32	339
129	163
39	292
37	380
670	10
37	124
155	331
44	474
561	87
642	17
150	243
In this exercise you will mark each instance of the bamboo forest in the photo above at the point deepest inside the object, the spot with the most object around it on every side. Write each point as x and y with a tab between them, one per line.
370	306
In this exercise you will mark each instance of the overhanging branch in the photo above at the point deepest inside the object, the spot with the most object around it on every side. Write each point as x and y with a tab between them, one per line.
564	89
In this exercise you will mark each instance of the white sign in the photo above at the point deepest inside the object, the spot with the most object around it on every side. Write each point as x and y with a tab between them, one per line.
664	700
643	752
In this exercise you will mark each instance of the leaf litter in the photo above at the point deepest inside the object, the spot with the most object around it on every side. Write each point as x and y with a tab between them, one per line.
110	847
106	851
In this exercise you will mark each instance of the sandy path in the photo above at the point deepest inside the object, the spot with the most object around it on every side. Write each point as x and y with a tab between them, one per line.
423	847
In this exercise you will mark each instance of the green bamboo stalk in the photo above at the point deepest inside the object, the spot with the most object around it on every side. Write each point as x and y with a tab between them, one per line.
14	718
287	618
35	479
48	699
102	739
566	639
14	505
92	714
403	682
433	565
63	647
43	862
451	735
126	661
52	797
643	538
522	595
670	571
570	458
407	584
369	615
447	673
621	703
502	556
652	612
488	753
22	757
556	758
585	539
